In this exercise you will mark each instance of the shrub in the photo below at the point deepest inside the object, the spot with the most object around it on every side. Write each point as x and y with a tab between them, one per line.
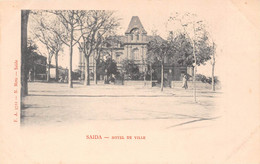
131	69
204	79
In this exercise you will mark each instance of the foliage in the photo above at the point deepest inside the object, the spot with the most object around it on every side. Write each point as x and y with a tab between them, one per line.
183	53
109	65
156	70
205	79
142	74
101	67
216	80
31	54
202	78
160	50
192	35
131	69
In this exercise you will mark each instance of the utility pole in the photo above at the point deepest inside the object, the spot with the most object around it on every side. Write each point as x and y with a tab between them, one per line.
213	68
195	67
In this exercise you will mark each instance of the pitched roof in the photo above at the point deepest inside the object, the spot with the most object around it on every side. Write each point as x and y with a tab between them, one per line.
156	37
135	23
114	40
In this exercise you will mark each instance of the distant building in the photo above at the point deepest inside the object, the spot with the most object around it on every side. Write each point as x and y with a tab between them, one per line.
133	46
37	67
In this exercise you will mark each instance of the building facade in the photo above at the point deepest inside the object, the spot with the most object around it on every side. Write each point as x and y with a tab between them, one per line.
133	46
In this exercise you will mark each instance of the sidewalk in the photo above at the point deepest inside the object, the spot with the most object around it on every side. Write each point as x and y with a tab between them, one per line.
110	90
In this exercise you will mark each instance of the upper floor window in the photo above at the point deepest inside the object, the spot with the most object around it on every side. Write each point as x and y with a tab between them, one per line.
135	54
135	33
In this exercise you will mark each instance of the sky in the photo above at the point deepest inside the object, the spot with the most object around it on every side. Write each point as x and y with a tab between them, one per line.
223	19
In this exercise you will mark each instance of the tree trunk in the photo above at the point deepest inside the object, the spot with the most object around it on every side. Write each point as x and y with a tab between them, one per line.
213	80
82	71
24	74
70	68
57	67
151	71
194	83
162	75
49	71
70	62
87	80
194	72
95	72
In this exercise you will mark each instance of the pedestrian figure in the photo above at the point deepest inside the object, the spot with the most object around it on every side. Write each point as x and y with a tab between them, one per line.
30	75
66	79
169	78
105	77
185	81
61	78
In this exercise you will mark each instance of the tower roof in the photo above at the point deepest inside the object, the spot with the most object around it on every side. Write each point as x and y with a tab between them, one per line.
135	23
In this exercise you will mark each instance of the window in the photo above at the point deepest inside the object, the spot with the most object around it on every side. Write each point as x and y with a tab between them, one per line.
135	54
134	31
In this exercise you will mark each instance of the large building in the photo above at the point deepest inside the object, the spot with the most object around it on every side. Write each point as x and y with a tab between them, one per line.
133	46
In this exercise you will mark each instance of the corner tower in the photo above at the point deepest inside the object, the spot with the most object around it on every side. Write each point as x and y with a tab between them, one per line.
135	32
136	41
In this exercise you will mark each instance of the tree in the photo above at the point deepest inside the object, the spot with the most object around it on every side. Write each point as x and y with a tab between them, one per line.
24	72
161	50
107	67
111	67
70	26
150	60
131	69
194	42
43	31
95	26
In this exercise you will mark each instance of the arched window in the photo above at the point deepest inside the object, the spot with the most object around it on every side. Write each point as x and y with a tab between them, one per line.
135	54
135	34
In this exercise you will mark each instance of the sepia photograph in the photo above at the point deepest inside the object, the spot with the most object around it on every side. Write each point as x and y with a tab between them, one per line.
79	58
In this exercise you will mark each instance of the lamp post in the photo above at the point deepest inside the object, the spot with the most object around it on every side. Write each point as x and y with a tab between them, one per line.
194	56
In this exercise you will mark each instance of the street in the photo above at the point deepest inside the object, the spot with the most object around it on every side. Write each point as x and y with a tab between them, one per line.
57	104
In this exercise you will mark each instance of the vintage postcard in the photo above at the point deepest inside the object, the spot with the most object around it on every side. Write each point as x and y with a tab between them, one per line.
130	82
